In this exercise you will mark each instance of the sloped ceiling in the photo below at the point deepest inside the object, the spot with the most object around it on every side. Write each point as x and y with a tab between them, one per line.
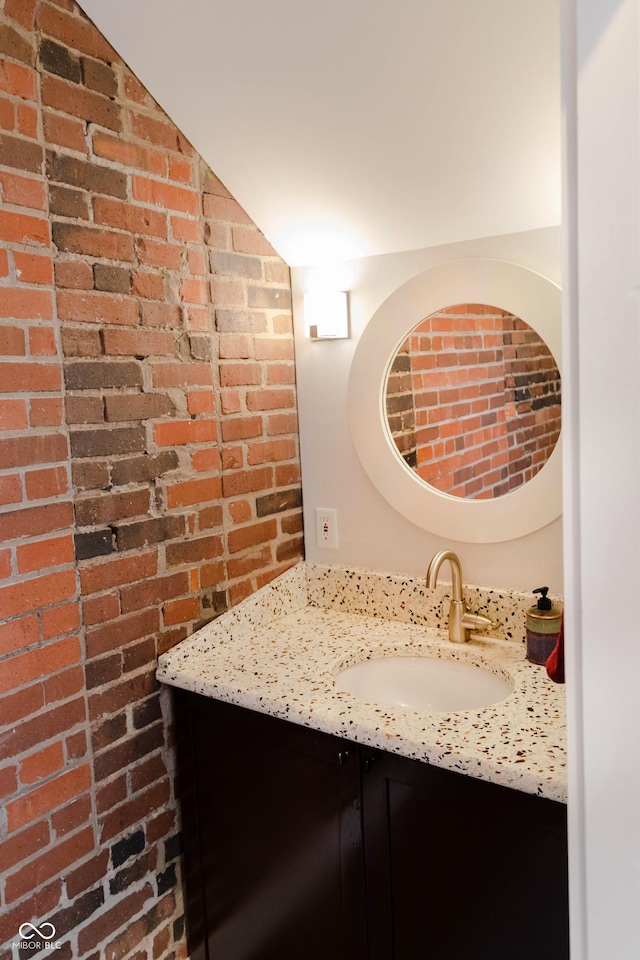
349	128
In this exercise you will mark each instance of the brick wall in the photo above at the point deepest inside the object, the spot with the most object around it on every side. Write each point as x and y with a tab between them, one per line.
400	404
149	472
482	405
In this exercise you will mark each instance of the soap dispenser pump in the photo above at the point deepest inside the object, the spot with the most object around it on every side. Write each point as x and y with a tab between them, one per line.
543	626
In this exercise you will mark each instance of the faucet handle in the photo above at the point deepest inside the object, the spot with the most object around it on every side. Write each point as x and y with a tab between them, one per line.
477	621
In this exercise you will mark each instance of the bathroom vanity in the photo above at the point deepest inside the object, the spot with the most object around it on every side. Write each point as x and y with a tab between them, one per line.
319	825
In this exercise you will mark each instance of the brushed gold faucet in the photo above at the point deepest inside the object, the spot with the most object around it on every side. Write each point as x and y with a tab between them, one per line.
461	620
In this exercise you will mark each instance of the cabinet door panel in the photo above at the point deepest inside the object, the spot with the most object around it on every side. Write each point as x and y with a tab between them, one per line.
462	868
281	846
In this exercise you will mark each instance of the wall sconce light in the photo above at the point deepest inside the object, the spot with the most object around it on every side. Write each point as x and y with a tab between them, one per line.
326	315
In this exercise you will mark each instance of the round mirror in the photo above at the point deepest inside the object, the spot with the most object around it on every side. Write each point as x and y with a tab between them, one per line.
520	293
473	401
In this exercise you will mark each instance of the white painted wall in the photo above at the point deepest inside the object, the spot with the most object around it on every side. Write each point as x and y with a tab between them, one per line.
371	533
353	128
601	394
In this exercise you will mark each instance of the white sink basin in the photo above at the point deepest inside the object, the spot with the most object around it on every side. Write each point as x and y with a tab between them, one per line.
423	683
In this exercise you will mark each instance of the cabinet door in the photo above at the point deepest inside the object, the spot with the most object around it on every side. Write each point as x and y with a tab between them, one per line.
280	838
459	869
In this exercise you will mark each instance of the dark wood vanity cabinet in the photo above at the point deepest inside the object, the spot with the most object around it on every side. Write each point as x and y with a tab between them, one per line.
302	845
461	868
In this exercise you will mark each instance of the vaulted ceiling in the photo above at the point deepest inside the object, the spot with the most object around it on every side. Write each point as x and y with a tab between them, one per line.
348	128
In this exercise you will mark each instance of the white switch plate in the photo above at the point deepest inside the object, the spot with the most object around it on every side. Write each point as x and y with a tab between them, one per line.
327	528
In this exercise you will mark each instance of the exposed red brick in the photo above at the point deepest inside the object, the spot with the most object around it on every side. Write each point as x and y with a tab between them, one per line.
40	904
12	340
59	620
8	783
240	374
141	343
18	634
23	451
287	474
49	796
22	11
26	304
111	636
201	401
42	341
274	348
77	275
93	241
23	191
193	491
106	574
153	253
13	414
45	411
27	117
189	231
178	432
270	399
27	667
71	816
181	374
133	280
52	482
250	240
194	291
161	194
10	489
130	154
125	216
242	428
19	377
148	285
75	32
100	609
132	812
65	131
42	764
63	685
153	591
7	114
97	308
160	315
34	521
181	611
45	554
271	451
50	864
24	844
206	460
242	482
224	208
37	592
79	102
17	79
227	292
252	535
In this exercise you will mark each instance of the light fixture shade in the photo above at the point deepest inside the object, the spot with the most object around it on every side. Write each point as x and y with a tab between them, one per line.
326	315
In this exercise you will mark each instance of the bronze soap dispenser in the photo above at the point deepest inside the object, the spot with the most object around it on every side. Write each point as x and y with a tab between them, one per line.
543	627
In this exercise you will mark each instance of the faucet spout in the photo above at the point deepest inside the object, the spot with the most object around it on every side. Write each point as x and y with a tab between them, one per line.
461	620
456	572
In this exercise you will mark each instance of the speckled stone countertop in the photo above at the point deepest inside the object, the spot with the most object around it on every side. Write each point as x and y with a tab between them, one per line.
278	653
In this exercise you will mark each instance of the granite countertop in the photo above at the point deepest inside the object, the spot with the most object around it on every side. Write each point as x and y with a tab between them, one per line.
278	653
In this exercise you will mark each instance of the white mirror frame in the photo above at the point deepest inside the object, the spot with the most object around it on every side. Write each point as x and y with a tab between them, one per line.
522	292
